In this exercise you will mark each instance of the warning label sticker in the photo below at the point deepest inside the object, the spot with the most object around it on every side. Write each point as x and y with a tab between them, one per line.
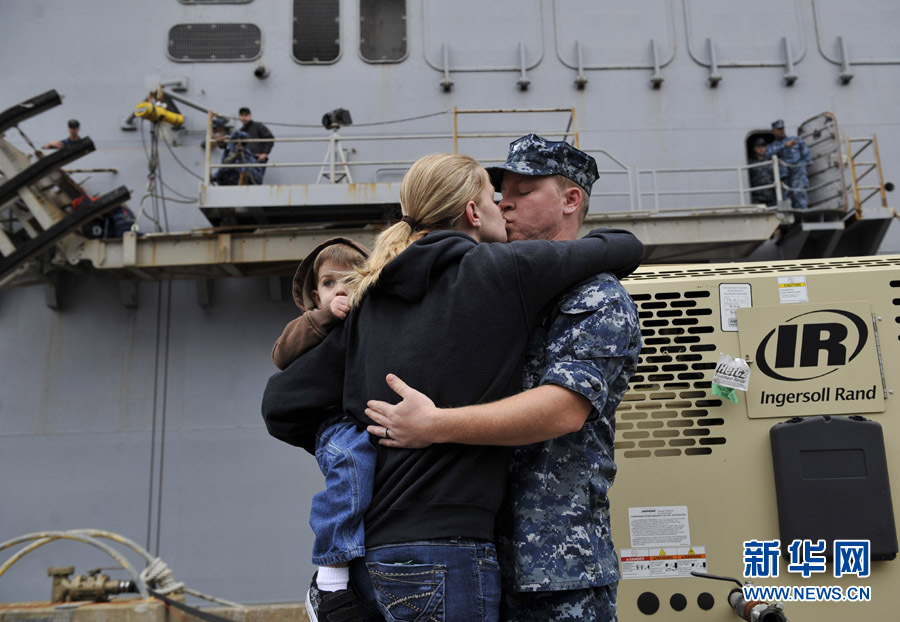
659	526
792	289
661	563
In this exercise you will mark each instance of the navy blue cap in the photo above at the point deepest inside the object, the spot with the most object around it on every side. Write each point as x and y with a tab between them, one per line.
778	125
535	155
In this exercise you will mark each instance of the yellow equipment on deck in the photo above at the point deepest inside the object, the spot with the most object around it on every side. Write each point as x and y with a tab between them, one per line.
157	113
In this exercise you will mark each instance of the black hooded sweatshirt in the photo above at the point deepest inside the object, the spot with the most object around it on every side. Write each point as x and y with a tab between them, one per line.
451	317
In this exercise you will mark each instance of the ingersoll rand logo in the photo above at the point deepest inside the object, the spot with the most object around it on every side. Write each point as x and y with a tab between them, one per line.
810	341
820	359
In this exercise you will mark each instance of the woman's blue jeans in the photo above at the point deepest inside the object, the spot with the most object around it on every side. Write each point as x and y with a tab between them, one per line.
452	580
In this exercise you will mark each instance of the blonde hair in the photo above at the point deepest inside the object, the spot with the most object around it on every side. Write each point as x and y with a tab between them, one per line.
434	194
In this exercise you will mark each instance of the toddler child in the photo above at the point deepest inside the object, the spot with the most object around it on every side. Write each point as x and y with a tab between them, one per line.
343	451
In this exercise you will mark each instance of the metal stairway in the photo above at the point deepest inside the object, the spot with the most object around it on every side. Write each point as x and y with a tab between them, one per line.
839	221
36	199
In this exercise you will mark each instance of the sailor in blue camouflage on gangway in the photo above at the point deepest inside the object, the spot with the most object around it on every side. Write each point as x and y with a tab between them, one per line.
792	150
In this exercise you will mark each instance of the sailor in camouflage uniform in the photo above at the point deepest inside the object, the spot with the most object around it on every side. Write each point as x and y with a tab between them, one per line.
553	533
792	150
557	556
761	175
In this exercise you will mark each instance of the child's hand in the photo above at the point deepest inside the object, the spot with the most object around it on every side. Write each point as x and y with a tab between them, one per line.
339	307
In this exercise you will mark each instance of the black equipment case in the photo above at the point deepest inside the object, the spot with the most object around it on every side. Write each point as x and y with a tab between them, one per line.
831	482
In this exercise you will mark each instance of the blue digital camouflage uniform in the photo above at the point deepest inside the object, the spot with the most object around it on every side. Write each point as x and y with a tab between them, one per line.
237	153
535	155
597	604
553	531
762	175
797	157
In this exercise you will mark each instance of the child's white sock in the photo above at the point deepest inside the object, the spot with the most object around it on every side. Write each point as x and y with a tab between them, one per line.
332	579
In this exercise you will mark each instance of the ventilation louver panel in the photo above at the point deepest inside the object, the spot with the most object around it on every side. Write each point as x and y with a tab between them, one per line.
745	269
669	409
191	43
382	30
317	38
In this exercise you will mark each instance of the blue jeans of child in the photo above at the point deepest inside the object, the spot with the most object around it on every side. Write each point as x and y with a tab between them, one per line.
452	580
347	459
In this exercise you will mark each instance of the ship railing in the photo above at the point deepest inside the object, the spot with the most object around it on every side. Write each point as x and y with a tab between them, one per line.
625	188
662	190
338	148
621	188
680	189
700	182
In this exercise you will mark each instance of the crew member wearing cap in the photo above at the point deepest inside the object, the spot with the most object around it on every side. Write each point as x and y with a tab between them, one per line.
256	130
792	150
553	534
74	126
761	174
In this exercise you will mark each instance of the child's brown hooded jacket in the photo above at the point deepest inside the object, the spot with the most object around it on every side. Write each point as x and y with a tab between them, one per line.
313	325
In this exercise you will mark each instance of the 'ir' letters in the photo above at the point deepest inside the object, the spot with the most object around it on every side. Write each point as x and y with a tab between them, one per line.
827	336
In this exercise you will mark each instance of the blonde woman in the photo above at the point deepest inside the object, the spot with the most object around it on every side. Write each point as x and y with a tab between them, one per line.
450	312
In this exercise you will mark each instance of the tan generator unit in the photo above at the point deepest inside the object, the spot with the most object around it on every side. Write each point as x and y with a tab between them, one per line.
793	489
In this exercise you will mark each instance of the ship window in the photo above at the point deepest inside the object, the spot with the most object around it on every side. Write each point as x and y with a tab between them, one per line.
190	43
317	38
382	30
